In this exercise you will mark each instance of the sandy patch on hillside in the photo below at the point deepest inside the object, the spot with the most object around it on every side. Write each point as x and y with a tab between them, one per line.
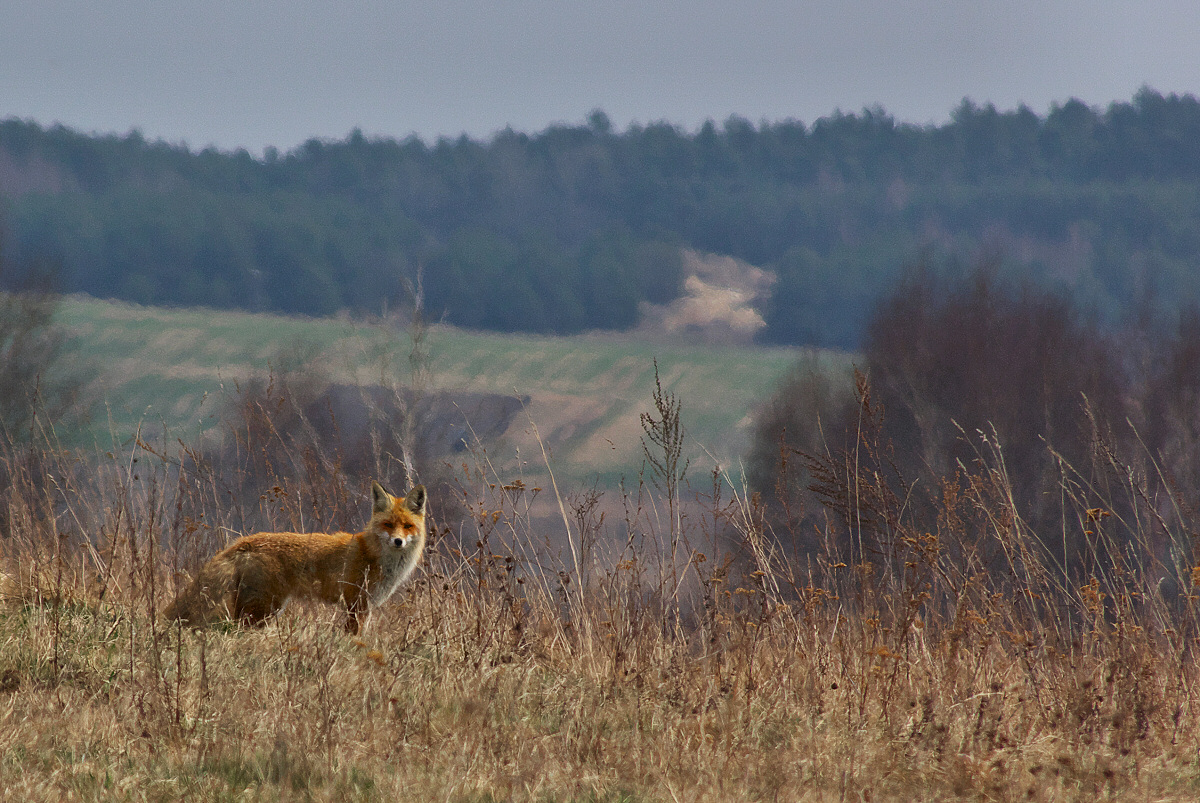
721	302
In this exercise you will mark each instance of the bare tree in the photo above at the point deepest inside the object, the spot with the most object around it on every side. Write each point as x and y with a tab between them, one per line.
35	380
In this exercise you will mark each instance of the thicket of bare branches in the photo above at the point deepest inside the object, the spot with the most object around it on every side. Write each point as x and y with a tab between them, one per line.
955	367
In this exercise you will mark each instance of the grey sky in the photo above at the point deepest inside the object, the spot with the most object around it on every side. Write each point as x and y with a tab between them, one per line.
253	73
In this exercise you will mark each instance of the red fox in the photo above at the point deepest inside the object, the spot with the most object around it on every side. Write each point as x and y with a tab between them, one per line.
254	577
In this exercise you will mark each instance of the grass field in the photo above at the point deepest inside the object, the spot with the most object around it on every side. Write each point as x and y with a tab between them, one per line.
174	370
884	648
657	660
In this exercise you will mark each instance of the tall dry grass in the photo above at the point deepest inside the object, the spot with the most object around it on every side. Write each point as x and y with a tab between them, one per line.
657	642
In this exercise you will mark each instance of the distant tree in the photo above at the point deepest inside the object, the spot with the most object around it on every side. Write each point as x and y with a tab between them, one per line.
599	122
35	379
986	356
948	361
1168	415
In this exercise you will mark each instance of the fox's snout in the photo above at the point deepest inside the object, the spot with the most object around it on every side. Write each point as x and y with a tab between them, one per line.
399	541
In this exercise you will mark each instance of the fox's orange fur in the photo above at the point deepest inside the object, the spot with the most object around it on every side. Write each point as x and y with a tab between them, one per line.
256	575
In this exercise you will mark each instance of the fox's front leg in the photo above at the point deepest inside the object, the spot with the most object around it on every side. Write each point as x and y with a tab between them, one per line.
251	604
356	615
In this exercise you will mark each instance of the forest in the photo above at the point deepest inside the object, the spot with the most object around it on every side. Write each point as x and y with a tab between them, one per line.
574	227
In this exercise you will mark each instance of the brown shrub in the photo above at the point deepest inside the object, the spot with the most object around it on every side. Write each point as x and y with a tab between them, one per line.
954	368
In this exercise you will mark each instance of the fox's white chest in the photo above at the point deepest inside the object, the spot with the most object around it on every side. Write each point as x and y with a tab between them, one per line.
395	565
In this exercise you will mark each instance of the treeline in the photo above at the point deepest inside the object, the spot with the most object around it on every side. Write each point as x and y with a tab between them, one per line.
573	227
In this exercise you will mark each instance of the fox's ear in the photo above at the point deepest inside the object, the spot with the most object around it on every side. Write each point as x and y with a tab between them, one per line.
381	500
415	501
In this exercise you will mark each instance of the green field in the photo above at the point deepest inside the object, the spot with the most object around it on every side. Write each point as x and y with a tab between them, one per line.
173	371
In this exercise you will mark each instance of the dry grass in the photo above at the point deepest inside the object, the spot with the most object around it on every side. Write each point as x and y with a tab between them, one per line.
590	664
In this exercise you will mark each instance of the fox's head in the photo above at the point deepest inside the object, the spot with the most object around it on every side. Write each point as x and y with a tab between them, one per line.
400	523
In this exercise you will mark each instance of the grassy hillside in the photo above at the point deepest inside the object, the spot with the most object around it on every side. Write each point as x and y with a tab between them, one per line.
174	370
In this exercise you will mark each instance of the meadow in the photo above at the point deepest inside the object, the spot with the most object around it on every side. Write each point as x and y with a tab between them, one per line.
664	640
175	371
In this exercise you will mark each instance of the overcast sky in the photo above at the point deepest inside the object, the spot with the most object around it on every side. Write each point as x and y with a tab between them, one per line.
252	73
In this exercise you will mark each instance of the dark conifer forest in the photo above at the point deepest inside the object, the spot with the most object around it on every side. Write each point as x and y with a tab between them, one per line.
573	227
